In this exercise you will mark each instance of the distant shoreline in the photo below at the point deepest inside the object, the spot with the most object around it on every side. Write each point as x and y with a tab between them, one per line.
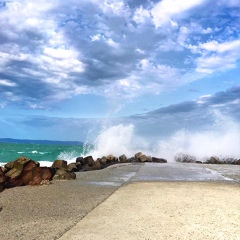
29	141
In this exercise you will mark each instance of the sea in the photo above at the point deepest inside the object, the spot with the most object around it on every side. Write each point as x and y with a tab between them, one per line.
45	154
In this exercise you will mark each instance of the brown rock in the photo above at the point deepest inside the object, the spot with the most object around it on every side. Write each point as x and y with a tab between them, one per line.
59	164
32	176
40	174
159	160
18	165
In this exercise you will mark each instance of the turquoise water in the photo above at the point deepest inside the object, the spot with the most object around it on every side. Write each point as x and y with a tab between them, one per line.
40	152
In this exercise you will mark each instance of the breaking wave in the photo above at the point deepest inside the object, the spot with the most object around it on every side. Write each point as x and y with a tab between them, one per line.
221	139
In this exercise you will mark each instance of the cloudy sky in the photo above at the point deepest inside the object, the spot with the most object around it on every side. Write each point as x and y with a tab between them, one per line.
67	66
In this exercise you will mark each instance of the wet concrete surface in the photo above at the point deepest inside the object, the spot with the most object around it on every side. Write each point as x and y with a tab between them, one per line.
120	174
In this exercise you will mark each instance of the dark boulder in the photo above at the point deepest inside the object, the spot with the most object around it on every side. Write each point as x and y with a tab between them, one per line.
88	161
123	158
132	159
159	160
79	159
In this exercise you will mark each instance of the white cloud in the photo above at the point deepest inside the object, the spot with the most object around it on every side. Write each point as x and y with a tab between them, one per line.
215	46
164	10
217	56
7	83
141	15
114	7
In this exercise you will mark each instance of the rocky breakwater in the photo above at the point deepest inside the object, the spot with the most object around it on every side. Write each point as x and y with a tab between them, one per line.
24	171
185	158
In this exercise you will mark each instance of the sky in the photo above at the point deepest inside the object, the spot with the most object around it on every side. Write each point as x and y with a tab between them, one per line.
69	67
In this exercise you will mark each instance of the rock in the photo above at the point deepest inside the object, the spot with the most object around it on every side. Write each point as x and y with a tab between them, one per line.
24	171
123	158
3	180
215	160
149	158
111	159
159	160
62	174
237	162
103	160
72	167
78	165
59	164
79	159
141	157
132	159
185	158
18	165
229	160
32	176
97	165
88	161
72	175
41	175
44	182
9	165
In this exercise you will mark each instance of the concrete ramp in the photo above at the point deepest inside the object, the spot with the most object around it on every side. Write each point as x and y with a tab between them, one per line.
164	210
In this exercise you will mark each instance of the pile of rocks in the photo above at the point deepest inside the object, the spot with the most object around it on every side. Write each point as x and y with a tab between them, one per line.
185	158
24	171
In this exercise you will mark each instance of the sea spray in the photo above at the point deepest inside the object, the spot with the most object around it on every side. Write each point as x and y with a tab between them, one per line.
219	139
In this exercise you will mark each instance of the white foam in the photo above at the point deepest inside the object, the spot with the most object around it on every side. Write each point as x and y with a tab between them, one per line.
221	139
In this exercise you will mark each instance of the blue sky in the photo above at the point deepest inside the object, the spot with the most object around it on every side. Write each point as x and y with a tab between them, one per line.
68	66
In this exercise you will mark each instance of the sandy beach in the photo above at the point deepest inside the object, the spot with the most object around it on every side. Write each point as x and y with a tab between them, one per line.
115	203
